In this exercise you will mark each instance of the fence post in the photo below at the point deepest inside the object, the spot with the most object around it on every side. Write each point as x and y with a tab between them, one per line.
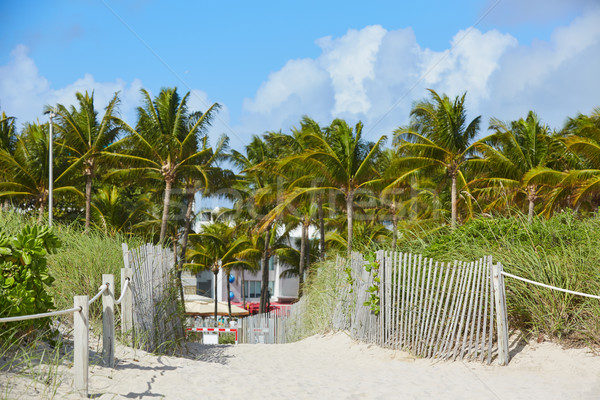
108	321
501	318
80	339
125	254
126	304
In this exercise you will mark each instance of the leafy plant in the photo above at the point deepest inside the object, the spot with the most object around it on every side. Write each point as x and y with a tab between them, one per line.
372	266
25	277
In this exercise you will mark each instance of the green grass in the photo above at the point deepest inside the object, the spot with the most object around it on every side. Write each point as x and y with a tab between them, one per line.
77	268
79	263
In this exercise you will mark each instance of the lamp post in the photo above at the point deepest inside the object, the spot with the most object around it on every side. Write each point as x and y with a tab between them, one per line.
50	171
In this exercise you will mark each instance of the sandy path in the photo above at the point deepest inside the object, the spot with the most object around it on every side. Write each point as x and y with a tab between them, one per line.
335	367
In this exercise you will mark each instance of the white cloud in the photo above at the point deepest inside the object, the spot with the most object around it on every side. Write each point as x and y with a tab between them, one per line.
350	61
24	92
375	75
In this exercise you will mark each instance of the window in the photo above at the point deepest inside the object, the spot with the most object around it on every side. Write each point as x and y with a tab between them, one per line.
252	289
203	288
271	263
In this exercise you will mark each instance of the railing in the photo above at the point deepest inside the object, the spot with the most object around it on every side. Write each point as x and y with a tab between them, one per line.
81	325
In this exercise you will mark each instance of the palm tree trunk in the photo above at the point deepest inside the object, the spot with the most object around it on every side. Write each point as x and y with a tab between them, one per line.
531	196
228	297
321	227
350	216
186	230
302	258
264	292
216	296
453	200
243	290
40	212
165	215
88	201
395	229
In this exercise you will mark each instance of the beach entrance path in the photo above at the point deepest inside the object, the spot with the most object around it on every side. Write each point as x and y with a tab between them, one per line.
336	367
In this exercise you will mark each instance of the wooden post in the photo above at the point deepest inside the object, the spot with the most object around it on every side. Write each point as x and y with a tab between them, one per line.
108	321
80	339
125	254
501	319
126	304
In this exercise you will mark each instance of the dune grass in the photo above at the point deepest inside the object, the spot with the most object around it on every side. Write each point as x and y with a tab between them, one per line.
77	267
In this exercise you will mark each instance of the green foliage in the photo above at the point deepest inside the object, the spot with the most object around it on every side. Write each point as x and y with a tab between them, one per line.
25	276
372	266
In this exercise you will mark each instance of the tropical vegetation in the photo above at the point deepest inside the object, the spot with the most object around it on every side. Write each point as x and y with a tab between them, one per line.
300	195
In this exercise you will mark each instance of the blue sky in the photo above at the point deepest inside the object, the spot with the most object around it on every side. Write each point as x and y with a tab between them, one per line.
269	63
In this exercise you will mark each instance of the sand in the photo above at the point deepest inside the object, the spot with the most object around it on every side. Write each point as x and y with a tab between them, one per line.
328	367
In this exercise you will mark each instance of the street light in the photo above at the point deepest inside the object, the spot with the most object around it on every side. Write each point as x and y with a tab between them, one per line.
50	172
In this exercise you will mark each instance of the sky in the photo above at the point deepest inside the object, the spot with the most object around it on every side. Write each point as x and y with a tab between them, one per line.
268	63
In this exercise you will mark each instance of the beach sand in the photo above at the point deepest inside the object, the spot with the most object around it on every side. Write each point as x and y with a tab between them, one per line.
328	367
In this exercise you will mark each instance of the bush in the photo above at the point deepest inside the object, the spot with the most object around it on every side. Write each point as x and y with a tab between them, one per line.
25	277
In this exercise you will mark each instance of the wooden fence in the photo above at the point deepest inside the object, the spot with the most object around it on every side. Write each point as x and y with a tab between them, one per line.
404	301
273	327
431	309
156	322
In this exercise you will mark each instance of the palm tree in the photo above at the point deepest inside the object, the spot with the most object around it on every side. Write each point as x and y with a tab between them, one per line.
258	186
344	160
116	212
85	139
439	139
8	133
583	141
26	170
215	248
165	142
511	152
8	139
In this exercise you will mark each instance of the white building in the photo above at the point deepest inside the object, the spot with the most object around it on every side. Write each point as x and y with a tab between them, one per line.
283	290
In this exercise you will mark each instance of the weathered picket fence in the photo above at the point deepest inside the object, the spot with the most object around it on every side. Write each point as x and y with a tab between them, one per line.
452	310
405	301
273	327
157	325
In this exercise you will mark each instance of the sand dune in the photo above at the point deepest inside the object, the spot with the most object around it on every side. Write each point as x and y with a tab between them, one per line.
334	367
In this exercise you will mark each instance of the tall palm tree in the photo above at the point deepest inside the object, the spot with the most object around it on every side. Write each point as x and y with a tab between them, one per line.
165	142
511	152
85	139
26	170
439	139
258	186
346	161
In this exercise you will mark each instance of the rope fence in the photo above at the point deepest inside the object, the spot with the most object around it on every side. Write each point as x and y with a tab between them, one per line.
592	296
81	325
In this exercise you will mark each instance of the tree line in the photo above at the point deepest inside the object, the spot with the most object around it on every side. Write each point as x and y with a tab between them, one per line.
330	184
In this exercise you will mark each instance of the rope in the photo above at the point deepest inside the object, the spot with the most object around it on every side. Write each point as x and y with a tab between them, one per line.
42	315
550	287
125	287
101	290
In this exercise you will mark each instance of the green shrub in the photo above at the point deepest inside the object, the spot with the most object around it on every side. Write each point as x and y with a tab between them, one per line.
25	277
